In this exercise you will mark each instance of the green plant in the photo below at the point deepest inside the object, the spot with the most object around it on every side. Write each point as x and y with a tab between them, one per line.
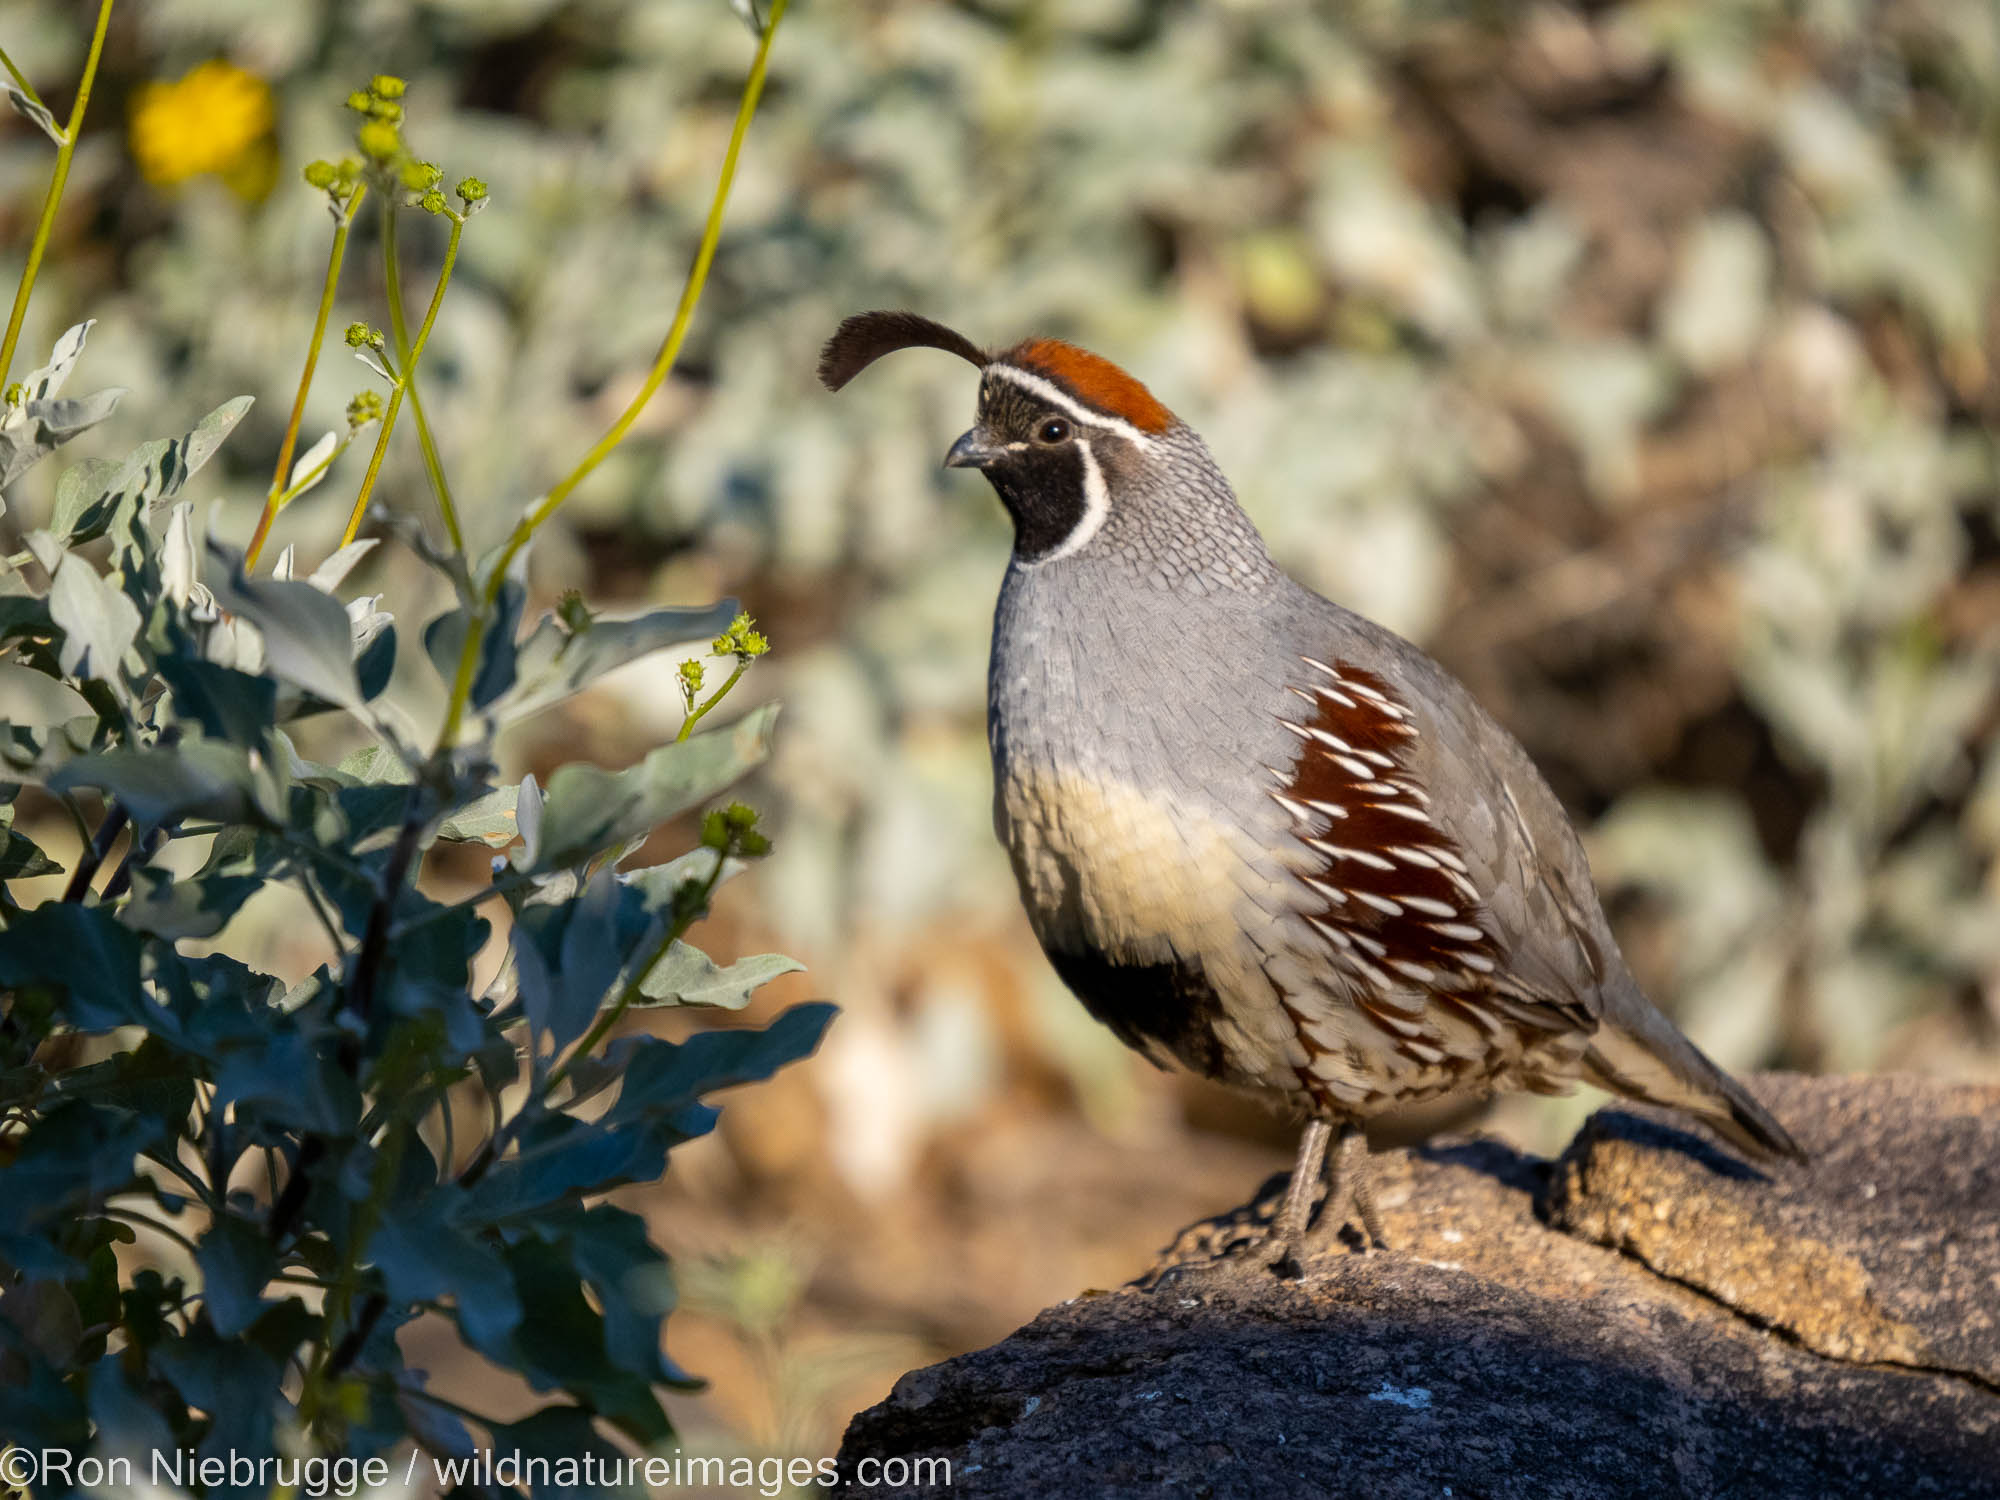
308	1145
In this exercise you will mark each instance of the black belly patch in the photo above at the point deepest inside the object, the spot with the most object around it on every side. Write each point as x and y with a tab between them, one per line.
1152	1008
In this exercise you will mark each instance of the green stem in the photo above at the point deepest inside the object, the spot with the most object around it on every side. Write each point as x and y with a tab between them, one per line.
87	863
450	1128
374	464
132	1216
201	1189
405	377
82	823
329	1360
341	865
444	1403
407	355
20	80
694	718
54	196
663	364
326	922
304	482
278	495
512	881
615	1011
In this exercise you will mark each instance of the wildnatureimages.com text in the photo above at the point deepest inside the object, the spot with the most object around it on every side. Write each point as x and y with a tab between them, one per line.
320	1478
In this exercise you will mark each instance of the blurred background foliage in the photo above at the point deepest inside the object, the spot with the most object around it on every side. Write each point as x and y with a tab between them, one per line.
1641	360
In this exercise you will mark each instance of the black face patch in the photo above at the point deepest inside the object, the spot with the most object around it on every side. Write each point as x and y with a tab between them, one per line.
1041	477
1043	490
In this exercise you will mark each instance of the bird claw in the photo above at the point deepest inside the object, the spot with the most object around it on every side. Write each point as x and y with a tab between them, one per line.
1284	1237
1287	1257
1283	1258
1332	1233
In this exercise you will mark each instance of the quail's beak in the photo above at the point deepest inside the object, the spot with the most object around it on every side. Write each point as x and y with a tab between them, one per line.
972	451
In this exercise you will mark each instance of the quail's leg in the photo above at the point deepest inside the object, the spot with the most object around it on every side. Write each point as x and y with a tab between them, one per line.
1349	1180
1288	1230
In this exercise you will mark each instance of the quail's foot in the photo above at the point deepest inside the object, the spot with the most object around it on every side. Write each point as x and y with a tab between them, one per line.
1294	1236
1283	1238
1286	1238
1349	1181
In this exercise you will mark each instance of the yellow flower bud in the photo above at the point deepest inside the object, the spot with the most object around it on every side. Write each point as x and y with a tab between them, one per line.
379	140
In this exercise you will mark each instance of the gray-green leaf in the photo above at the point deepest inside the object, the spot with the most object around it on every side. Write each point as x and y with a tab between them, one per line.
237	1263
200	777
307	638
20	857
555	663
150	474
688	976
99	623
35	111
444	640
488	820
185	908
587	809
41	384
319	457
30	431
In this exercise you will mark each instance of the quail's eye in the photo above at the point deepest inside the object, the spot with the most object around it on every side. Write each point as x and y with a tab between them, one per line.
1055	430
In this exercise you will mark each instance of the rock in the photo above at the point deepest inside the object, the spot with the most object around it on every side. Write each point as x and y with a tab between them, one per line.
1886	1248
1642	1317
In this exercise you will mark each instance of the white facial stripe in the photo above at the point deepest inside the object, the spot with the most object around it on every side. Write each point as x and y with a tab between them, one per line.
1096	506
1063	402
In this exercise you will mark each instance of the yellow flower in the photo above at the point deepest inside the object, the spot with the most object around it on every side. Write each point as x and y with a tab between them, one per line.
215	119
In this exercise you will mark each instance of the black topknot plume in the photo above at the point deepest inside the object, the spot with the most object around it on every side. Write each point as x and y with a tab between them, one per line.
866	337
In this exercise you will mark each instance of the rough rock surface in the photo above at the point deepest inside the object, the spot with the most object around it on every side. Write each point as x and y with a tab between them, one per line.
1643	1316
1887	1250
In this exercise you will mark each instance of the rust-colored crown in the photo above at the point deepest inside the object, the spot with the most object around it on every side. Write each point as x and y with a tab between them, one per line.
1092	380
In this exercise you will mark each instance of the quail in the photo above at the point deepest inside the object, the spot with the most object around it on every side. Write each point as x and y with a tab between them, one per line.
1257	834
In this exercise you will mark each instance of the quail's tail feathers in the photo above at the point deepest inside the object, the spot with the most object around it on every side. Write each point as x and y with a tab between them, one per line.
1637	1052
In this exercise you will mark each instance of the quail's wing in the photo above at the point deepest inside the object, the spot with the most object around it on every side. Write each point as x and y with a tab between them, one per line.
1444	861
